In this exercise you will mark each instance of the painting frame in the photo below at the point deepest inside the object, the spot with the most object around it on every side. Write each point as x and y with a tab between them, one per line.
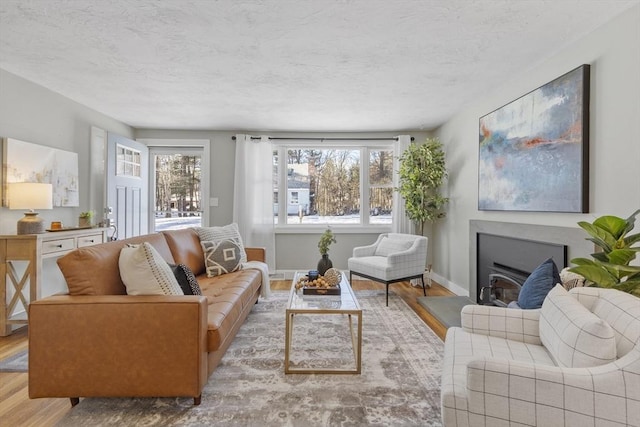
28	162
533	152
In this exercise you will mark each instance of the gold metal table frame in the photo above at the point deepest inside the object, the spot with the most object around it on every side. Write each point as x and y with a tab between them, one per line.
318	305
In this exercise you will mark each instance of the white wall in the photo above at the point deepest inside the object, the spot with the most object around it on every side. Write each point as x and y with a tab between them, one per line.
32	113
614	54
294	251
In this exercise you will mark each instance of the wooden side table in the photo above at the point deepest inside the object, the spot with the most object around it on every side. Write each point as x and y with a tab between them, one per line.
32	249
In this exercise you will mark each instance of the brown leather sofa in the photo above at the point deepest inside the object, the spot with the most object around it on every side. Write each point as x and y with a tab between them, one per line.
99	342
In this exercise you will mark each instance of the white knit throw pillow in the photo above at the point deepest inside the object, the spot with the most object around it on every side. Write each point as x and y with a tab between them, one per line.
144	272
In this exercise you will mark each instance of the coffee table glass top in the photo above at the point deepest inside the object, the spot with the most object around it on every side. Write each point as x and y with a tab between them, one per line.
346	301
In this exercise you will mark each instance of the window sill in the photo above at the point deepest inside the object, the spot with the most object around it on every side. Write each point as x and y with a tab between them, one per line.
337	229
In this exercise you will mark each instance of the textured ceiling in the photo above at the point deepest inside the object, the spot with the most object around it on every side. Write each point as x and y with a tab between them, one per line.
323	65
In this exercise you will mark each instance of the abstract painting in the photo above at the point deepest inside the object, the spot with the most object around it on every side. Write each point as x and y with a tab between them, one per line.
534	151
27	162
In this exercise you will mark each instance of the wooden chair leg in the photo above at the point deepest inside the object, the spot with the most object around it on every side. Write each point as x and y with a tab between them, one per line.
74	401
424	289
197	400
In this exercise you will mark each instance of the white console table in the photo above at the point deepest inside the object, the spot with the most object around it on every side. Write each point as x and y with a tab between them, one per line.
32	249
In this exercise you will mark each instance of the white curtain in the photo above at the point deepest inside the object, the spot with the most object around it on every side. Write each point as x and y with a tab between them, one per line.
253	194
401	222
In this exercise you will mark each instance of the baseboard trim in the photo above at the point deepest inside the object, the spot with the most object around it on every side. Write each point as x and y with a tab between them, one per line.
453	287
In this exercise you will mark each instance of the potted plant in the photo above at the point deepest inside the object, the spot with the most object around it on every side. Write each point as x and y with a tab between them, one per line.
422	171
610	267
85	219
326	239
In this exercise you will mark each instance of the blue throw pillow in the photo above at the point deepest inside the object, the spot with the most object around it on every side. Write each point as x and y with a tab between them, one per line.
538	284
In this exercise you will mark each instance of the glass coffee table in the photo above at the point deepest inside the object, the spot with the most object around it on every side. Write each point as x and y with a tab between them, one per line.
344	304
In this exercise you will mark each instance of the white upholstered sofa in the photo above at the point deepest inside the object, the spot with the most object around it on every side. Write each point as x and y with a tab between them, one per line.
573	362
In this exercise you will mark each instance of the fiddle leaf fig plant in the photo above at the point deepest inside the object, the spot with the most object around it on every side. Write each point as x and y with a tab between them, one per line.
422	172
610	268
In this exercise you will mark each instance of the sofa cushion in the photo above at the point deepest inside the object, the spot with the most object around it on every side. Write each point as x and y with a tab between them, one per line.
93	270
462	347
575	337
144	272
186	249
538	285
218	234
388	246
186	279
619	309
227	295
221	257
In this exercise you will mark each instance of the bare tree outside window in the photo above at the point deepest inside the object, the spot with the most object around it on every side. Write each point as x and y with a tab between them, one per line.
177	191
324	185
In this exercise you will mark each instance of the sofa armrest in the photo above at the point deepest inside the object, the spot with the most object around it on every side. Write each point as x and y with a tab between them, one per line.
362	251
413	254
117	345
509	323
256	254
532	394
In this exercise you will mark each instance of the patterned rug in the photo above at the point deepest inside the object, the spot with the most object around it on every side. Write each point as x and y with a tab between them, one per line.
19	362
399	384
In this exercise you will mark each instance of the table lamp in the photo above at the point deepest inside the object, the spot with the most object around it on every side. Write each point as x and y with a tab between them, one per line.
30	195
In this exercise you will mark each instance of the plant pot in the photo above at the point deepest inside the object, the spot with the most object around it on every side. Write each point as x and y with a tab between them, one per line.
324	264
84	222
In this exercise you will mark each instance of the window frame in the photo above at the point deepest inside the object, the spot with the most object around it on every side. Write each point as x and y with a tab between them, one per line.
365	147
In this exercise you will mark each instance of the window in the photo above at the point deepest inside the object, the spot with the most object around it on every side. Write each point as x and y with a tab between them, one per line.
178	183
177	198
343	184
127	161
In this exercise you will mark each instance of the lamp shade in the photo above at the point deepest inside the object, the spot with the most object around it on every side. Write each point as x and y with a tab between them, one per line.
30	195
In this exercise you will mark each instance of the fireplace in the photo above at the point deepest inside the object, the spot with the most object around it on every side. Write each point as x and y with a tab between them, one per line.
504	285
504	263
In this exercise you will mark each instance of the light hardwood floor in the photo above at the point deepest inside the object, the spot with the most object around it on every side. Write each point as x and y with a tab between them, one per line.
16	409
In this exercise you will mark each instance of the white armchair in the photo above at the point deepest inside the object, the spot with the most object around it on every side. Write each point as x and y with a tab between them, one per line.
394	257
574	362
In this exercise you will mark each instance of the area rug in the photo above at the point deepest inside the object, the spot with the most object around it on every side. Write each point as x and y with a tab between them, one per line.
445	309
19	362
399	384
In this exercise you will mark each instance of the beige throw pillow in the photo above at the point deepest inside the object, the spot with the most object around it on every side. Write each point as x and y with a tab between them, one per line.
144	272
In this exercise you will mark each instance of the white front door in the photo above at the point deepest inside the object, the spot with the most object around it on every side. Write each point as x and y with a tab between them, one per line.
127	185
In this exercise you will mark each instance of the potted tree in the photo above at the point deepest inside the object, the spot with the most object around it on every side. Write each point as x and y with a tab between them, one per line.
610	267
422	172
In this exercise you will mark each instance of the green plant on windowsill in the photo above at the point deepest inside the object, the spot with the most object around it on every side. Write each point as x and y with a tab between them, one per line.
610	268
